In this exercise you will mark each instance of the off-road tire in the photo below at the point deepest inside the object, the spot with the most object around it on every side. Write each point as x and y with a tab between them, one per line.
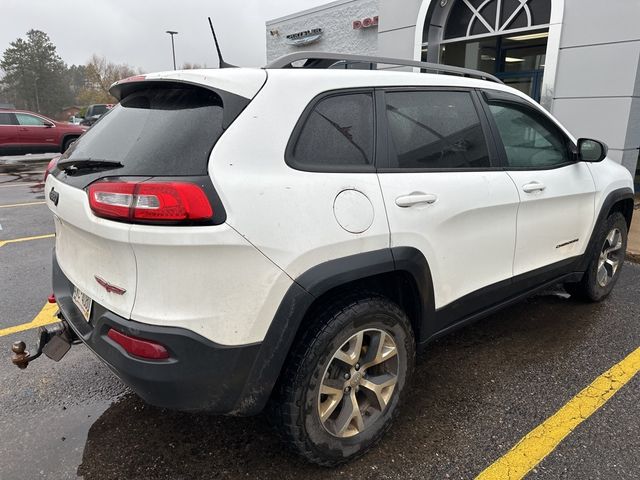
589	288
293	408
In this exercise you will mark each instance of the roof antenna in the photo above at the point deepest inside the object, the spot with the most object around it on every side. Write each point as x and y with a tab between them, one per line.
222	63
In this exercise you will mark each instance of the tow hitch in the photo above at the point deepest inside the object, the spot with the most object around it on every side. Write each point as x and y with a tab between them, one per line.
53	340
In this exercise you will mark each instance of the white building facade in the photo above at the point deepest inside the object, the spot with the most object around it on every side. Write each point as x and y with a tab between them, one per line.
579	58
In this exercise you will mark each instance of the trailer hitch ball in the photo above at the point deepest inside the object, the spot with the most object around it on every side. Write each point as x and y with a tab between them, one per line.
54	341
20	355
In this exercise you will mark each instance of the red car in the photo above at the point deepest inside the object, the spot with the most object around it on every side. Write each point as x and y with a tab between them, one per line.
28	132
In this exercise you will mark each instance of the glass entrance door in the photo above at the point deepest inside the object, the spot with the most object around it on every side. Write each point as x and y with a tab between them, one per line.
517	60
529	83
522	65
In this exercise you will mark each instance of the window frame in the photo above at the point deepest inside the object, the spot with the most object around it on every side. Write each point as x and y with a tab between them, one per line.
302	121
486	96
383	129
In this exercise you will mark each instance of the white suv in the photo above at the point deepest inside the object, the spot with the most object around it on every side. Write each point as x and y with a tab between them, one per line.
237	238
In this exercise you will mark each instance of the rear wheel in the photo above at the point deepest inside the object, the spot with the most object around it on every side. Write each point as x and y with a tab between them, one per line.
67	143
340	391
606	262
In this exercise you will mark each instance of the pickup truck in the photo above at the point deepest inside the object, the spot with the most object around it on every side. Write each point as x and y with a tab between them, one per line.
94	112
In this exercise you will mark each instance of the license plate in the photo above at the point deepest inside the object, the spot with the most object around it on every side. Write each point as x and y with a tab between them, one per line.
83	303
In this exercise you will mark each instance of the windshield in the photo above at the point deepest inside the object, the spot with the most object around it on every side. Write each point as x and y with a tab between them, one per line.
159	131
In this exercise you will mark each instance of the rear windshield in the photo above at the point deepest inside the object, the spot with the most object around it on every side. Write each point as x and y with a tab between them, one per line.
159	131
98	109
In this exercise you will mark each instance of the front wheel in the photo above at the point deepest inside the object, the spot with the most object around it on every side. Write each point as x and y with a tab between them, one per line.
340	391
606	261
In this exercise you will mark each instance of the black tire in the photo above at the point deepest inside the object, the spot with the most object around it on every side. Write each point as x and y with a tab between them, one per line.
295	406
67	143
591	288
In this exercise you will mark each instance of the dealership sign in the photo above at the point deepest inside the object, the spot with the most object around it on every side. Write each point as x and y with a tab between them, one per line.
365	23
304	38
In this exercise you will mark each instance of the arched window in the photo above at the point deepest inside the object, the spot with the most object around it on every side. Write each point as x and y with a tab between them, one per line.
469	18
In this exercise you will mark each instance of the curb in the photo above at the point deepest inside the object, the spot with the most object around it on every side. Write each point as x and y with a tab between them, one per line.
633	257
22	159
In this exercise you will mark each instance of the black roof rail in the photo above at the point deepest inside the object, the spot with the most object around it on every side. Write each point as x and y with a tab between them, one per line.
326	60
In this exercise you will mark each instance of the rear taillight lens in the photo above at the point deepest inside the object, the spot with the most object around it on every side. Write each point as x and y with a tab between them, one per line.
139	347
52	164
149	201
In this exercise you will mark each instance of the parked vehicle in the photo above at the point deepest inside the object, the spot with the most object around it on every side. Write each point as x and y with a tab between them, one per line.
22	131
290	237
94	112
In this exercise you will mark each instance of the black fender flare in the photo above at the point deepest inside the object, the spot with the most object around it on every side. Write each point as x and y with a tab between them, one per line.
612	198
305	290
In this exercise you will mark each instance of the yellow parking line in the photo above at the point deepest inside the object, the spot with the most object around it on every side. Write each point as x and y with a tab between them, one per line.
22	204
45	317
25	239
542	440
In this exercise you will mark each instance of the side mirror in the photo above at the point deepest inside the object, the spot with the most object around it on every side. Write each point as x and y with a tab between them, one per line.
48	125
591	150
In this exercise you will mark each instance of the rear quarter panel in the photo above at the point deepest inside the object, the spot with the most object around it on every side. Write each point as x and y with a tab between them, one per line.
286	213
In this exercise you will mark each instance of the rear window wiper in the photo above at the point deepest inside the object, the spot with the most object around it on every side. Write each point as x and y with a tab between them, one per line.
88	164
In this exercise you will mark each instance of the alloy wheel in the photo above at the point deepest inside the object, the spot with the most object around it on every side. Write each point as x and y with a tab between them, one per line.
611	256
358	383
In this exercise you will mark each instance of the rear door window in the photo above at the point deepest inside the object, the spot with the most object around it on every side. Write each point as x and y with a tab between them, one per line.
337	134
98	109
434	130
157	131
7	118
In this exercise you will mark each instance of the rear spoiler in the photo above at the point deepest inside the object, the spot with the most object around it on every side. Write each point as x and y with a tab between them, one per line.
233	104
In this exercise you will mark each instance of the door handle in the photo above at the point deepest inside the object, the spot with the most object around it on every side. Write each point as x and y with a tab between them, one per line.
416	198
534	187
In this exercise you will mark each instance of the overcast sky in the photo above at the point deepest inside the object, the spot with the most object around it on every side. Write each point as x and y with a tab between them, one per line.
133	31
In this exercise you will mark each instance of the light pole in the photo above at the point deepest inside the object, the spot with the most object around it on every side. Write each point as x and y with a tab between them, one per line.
173	47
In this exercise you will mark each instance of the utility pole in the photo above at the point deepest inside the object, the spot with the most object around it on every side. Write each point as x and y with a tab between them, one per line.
173	47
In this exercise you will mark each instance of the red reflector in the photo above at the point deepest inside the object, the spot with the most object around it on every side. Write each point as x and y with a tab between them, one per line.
149	201
139	347
52	298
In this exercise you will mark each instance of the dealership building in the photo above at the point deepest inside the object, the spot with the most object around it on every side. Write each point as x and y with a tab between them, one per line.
579	58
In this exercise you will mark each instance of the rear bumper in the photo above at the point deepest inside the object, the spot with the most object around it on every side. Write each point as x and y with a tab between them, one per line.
199	375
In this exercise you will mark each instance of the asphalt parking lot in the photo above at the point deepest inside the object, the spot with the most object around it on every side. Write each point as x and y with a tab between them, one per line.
476	394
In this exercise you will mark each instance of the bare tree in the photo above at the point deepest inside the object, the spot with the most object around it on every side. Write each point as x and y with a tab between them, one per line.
193	66
100	75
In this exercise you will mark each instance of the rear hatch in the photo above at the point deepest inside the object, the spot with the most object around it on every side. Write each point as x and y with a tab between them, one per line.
159	138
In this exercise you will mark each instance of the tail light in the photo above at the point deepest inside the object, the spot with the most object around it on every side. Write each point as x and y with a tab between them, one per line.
52	164
149	201
139	347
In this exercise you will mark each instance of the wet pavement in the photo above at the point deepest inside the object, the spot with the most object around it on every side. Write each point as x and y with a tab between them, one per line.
475	393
